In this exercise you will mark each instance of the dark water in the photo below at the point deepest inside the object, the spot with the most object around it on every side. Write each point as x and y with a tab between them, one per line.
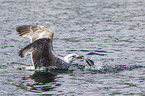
110	32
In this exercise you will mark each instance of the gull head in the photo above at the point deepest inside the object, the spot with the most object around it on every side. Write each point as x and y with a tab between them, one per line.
71	57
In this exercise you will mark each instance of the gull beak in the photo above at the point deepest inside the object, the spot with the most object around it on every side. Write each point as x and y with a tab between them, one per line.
80	57
89	61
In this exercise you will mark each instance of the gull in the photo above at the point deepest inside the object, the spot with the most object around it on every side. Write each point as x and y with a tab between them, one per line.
41	49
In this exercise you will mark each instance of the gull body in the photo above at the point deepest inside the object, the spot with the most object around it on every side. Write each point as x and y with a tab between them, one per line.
41	49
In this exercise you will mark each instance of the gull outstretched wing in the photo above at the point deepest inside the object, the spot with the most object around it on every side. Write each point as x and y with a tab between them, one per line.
41	53
34	32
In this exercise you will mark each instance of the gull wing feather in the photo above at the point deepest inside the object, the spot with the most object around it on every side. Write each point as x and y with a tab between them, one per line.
40	50
34	32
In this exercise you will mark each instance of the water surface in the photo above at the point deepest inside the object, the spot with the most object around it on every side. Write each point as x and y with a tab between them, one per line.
109	32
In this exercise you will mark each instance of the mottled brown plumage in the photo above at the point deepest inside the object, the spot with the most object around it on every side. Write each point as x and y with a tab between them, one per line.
41	47
34	32
43	56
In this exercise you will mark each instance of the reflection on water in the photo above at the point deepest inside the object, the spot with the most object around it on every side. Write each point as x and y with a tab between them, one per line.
47	81
41	81
43	77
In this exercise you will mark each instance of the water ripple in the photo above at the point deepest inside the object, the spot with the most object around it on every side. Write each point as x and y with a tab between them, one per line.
110	32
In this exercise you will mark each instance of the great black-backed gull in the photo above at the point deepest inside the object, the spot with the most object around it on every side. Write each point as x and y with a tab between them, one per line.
43	56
